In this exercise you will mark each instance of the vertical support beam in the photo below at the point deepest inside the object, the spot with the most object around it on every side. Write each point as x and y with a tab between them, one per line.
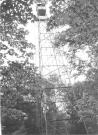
85	127
0	117
41	89
39	102
46	124
0	111
40	72
39	46
45	113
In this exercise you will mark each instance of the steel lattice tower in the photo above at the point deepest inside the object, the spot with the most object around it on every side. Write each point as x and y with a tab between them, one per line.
48	55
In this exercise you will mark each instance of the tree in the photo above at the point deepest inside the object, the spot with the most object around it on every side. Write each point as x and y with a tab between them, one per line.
13	42
14	15
25	94
18	89
82	108
82	18
79	104
14	87
20	11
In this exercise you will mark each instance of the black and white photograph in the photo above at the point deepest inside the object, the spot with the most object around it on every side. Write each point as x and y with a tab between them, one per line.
48	67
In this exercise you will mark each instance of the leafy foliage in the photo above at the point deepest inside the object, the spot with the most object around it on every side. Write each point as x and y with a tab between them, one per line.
18	10
25	94
13	43
82	18
83	108
79	104
14	87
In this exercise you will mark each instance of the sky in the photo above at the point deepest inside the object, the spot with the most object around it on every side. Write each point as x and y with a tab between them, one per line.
51	60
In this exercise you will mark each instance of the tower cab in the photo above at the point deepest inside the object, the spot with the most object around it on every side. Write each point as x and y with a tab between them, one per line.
41	11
